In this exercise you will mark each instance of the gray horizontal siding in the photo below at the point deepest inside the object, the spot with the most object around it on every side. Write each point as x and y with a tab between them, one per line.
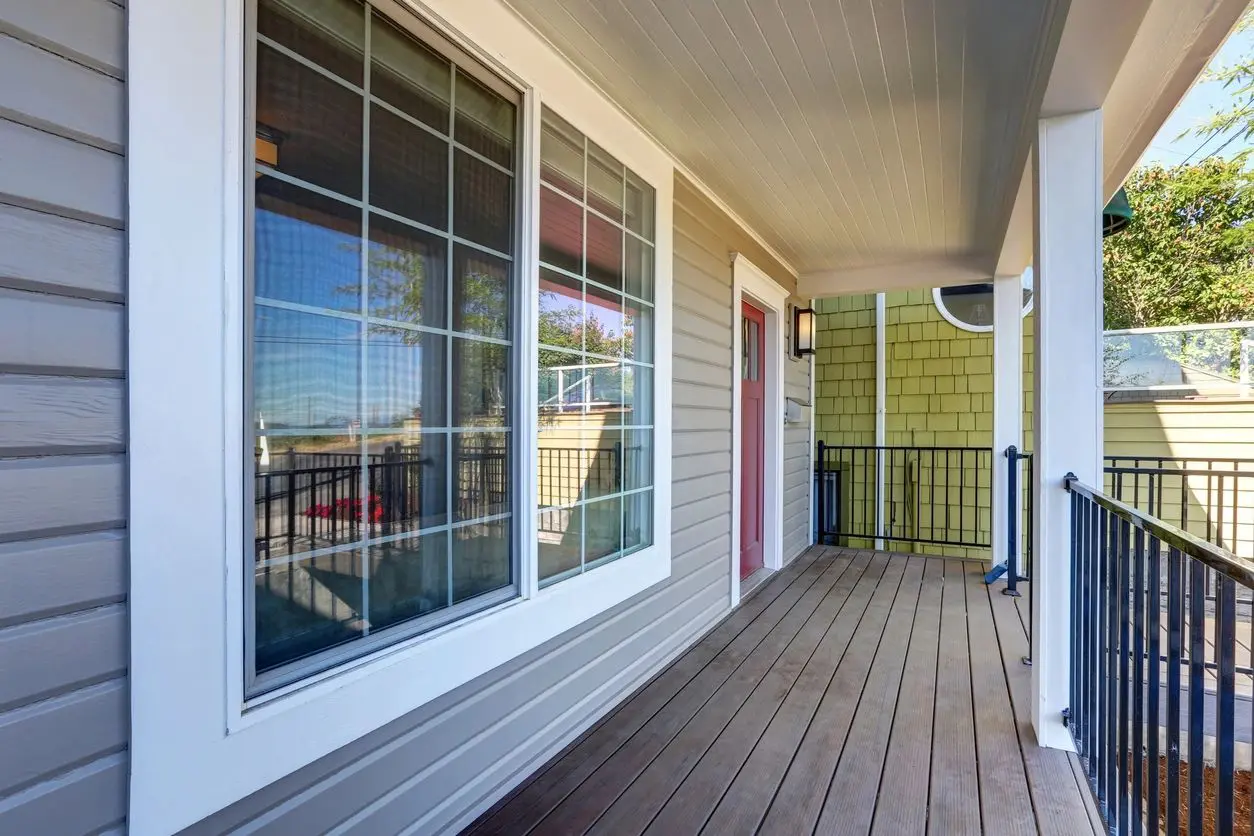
63	568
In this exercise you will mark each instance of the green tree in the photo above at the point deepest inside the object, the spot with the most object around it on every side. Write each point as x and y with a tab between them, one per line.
1186	257
1236	121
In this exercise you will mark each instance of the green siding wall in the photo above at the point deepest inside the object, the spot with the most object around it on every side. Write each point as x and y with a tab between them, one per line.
939	393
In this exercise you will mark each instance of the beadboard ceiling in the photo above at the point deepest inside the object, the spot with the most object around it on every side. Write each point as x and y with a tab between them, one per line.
849	134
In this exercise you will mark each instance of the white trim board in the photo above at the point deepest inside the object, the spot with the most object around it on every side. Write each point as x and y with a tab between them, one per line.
750	283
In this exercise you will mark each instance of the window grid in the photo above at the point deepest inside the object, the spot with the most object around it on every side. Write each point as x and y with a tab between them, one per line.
623	431
358	548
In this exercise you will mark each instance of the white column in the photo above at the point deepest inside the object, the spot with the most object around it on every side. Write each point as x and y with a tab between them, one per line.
1068	402
1007	398
881	414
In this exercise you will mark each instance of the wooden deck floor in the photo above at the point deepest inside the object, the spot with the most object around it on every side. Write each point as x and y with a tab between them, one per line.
855	692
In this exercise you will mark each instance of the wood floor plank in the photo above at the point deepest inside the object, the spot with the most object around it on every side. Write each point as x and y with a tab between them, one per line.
581	809
803	792
1004	799
902	805
952	808
1061	809
816	650
713	657
850	806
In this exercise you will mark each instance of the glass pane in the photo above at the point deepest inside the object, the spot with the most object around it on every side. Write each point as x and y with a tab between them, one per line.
970	303
306	606
640	206
407	274
637	459
561	540
561	155
405	374
601	464
327	32
637	395
603	333
637	521
563	382
480	383
485	121
561	232
480	559
639	268
307	247
481	297
306	491
408	482
408	169
561	310
305	370
605	252
408	578
308	126
605	183
603	529
638	331
483	203
408	75
481	479
559	454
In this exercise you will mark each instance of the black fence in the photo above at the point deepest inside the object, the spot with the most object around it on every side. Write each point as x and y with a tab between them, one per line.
1156	631
924	495
307	501
1209	498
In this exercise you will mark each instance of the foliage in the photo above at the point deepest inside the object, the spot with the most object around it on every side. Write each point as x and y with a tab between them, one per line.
1236	121
1186	256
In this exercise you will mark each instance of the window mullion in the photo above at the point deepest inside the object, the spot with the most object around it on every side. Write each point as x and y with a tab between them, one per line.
450	449
362	397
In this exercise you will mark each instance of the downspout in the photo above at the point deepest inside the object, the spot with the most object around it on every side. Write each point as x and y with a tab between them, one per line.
881	410
813	438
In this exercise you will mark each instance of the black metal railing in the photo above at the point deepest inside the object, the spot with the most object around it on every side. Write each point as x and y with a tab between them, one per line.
1154	673
923	495
1210	498
308	501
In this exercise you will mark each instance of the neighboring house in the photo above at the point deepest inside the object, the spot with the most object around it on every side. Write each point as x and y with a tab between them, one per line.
299	532
1171	394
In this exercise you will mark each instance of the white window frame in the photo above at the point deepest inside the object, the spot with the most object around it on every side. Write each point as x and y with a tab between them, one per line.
196	746
939	302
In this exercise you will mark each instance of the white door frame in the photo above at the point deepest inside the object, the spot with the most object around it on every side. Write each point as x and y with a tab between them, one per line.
751	284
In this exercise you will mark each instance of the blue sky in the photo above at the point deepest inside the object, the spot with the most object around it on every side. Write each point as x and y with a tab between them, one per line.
1198	104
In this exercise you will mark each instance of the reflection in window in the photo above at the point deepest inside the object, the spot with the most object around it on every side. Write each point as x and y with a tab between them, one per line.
381	358
595	451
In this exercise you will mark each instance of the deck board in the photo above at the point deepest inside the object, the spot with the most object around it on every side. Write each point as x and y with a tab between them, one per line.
854	692
904	782
954	805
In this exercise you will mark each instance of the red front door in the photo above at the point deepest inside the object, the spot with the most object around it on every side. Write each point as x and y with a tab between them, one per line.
752	437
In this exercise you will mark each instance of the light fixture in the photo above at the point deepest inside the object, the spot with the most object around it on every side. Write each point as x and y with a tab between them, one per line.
802	331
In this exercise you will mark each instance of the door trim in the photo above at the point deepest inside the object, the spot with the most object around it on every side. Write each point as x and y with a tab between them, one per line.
751	284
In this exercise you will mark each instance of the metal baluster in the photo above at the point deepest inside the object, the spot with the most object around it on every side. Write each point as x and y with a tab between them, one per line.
1225	647
1175	616
1154	628
1138	678
1094	639
1123	681
1105	674
1197	692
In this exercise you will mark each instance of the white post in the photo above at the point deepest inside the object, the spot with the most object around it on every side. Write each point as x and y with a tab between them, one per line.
1068	396
1007	399
881	413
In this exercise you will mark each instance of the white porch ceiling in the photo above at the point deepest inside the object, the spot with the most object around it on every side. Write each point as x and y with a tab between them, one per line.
851	135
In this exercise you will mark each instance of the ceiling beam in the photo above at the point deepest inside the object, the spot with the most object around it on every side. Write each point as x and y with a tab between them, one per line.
911	275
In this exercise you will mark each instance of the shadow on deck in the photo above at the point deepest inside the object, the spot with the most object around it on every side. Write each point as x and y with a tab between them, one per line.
855	692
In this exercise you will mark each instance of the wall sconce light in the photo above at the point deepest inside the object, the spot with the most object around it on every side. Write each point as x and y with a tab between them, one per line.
803	321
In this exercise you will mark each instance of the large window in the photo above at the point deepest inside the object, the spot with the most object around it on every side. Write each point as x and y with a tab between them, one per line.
383	363
595	361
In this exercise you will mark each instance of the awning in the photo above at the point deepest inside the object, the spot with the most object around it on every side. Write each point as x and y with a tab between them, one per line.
1117	214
